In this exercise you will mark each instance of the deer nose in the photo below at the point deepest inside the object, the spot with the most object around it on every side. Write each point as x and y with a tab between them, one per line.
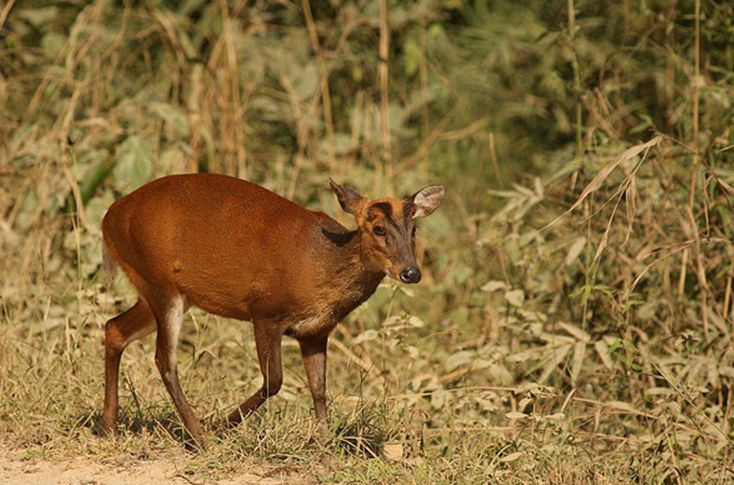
410	275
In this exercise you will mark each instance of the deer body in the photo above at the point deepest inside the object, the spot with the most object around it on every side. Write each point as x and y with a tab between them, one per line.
238	250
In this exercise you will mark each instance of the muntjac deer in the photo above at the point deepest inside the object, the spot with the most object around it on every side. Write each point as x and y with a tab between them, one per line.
237	250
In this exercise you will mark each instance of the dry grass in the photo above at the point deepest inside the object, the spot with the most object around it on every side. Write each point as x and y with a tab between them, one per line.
52	394
576	318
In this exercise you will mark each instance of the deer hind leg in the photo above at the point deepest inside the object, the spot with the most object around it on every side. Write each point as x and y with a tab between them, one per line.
170	321
133	324
268	337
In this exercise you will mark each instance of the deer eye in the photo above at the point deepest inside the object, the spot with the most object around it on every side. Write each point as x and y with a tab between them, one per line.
378	230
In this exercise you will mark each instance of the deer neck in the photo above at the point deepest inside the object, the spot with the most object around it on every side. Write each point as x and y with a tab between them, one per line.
352	278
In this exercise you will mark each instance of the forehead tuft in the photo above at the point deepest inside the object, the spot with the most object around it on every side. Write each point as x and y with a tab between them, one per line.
395	210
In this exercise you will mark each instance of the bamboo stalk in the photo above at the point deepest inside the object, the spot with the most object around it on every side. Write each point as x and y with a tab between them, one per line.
236	103
383	73
697	75
576	77
700	268
324	73
423	76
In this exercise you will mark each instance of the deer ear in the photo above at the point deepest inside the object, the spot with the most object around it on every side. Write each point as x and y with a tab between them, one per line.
348	199
427	200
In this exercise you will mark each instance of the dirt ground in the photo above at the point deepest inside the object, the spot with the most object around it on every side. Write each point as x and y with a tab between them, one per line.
16	470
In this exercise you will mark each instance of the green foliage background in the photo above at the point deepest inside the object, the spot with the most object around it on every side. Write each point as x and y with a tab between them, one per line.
603	333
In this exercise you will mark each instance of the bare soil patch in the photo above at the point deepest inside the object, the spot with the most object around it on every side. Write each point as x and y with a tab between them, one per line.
15	468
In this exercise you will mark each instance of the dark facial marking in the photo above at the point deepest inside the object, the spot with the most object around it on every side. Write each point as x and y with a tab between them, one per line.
387	212
408	211
384	207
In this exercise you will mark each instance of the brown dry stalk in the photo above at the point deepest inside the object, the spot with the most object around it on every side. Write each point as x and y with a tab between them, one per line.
303	129
682	274
472	429
367	367
493	158
727	294
6	12
409	162
700	275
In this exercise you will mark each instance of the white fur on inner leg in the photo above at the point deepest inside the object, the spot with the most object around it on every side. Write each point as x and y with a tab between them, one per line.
173	323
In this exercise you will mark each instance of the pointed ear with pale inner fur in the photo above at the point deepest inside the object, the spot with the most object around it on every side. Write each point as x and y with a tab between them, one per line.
348	199
427	200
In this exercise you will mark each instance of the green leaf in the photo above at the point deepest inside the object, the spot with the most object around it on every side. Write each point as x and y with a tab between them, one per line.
37	16
305	81
52	44
515	297
134	163
412	53
174	118
614	346
459	359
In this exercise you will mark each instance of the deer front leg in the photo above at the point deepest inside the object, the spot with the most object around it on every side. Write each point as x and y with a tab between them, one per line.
268	337
313	352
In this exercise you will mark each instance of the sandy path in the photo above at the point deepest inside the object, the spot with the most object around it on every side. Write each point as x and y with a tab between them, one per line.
15	471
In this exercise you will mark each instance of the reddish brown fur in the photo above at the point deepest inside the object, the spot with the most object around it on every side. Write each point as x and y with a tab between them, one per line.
238	250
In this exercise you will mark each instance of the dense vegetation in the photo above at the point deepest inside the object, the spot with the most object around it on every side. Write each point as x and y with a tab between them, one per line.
576	321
